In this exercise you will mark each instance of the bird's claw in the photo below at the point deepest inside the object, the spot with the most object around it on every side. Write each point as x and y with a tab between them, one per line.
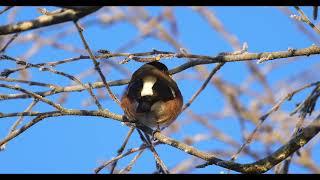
153	133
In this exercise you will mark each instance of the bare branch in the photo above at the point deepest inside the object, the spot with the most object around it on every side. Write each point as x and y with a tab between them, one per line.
46	20
96	64
9	42
121	149
259	166
307	20
199	59
6	8
66	112
18	122
34	95
203	86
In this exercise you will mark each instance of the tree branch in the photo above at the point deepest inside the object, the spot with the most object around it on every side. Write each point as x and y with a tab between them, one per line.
66	112
46	20
259	166
198	60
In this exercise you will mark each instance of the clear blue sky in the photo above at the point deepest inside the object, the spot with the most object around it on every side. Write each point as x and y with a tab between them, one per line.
79	144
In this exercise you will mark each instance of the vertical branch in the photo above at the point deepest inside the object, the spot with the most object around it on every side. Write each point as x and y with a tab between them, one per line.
96	64
315	12
94	97
159	163
121	149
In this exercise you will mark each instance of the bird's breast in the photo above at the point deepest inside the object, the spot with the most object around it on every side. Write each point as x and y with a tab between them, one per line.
147	86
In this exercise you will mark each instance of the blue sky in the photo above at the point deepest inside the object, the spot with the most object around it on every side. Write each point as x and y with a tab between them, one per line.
79	144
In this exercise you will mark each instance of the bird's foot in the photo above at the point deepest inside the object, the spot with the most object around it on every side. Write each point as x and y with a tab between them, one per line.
155	131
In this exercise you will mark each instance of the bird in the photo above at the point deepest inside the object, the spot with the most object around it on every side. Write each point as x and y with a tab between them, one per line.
152	97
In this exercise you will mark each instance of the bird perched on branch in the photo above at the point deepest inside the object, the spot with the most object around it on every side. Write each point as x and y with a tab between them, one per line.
152	97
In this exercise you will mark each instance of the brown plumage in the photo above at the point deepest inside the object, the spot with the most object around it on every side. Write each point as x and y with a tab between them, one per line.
152	97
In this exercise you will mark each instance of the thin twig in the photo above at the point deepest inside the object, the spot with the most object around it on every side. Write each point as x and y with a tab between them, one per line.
159	163
18	122
31	83
34	95
307	20
96	64
121	149
264	117
3	49
54	87
203	86
6	8
94	97
129	166
130	151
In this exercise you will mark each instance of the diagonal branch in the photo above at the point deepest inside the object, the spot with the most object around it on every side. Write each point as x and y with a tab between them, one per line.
18	122
96	64
259	166
203	86
46	20
307	20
